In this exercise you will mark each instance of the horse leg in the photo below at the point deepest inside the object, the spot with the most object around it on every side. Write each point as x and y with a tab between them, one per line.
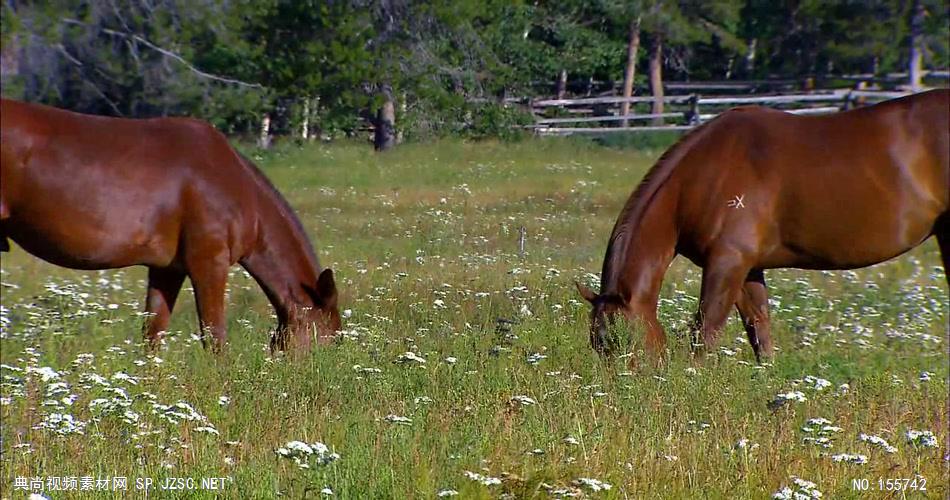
163	288
4	215
655	337
209	277
723	278
753	306
943	241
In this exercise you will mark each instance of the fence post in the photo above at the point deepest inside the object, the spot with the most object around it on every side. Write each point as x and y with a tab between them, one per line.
692	116
536	114
809	84
859	100
522	236
561	90
263	140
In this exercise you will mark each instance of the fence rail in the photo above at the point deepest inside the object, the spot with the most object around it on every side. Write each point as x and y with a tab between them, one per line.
589	119
608	130
772	83
687	114
608	100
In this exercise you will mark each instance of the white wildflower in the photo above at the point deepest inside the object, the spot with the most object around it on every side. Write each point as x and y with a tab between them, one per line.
125	377
818	384
62	424
410	357
535	358
523	400
878	441
745	444
922	438
46	373
592	484
792	396
805	490
849	458
366	369
396	419
485	480
301	453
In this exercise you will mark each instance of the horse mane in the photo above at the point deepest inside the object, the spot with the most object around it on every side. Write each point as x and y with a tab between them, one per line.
637	204
283	207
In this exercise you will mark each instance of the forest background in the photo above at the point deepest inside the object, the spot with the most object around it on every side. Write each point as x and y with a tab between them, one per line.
332	68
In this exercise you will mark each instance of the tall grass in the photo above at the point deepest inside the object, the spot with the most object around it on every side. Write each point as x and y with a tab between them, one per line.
424	241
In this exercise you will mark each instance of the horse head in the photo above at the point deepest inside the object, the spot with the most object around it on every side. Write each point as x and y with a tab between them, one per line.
320	319
605	309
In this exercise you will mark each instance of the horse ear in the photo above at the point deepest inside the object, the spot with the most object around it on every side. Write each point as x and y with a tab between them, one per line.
585	292
324	293
326	286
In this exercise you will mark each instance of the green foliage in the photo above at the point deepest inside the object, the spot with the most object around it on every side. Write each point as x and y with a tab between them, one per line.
842	36
495	120
456	117
232	62
306	48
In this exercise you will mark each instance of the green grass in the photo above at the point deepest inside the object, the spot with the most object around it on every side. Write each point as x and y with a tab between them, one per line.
440	222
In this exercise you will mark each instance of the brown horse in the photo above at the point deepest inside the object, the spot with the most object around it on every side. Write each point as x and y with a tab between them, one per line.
91	192
756	189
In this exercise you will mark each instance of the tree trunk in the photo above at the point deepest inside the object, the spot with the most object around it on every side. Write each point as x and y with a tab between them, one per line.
305	122
656	78
315	131
402	112
263	141
916	52
561	84
750	58
385	134
633	46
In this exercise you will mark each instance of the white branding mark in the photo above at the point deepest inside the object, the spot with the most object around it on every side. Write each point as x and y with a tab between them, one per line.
737	202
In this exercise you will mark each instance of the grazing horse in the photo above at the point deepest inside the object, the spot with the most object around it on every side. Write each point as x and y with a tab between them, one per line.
92	192
757	189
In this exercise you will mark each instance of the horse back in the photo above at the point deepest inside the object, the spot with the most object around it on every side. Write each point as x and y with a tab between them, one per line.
94	192
834	191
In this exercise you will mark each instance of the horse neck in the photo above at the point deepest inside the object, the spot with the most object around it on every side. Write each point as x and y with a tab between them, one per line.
282	260
641	248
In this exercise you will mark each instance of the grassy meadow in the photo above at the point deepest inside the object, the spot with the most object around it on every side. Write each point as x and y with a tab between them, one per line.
464	366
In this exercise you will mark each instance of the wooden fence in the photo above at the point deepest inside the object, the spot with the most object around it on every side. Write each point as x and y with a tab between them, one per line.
552	115
889	81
